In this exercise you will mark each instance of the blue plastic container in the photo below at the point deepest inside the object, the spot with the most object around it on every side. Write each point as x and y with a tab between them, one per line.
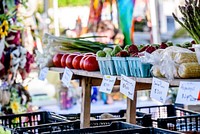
106	66
121	66
137	68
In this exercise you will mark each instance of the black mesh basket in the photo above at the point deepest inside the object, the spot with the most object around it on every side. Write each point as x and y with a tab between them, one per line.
49	128
13	121
116	128
142	118
173	118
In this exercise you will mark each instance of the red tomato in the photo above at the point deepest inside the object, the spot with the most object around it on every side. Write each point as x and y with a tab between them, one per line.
69	60
91	64
63	60
57	60
76	61
82	61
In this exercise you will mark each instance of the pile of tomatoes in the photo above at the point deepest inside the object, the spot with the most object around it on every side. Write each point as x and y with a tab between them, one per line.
86	61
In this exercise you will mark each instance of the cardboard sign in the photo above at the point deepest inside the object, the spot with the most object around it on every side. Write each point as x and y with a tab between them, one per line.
159	90
67	76
43	73
188	93
127	86
107	84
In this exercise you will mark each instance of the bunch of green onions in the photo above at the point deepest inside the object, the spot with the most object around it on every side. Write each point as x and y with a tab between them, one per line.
191	18
75	44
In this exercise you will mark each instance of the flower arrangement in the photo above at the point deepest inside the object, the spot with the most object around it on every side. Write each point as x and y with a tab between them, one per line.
14	56
15	59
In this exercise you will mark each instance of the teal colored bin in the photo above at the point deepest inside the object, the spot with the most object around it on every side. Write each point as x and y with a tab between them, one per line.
137	68
121	66
106	66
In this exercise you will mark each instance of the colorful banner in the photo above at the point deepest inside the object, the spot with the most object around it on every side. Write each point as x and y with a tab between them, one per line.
126	23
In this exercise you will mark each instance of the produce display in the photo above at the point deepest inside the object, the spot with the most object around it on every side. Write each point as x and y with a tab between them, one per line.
136	60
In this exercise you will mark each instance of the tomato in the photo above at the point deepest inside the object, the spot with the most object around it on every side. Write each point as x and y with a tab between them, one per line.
57	60
91	64
63	60
69	60
76	61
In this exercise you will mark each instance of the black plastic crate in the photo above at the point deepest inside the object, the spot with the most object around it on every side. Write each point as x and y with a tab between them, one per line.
112	127
189	124
51	127
173	118
116	128
29	119
142	118
61	126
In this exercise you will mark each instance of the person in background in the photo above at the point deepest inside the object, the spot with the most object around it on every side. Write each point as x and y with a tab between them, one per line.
110	35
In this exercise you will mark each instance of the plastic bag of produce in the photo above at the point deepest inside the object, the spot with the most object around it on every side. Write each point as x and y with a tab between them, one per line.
166	61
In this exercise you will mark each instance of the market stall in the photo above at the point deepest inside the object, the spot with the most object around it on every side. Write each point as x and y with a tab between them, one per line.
131	67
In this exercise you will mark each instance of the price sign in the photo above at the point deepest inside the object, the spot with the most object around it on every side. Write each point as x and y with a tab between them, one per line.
188	93
67	76
159	90
127	86
43	73
107	84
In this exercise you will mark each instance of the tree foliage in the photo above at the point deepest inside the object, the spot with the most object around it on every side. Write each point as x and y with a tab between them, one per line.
64	3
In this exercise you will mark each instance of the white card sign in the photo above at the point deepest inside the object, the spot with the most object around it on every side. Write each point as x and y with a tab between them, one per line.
127	86
159	90
107	84
43	73
67	76
188	93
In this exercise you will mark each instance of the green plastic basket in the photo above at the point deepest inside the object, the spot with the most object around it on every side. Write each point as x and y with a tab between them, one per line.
137	68
106	66
121	65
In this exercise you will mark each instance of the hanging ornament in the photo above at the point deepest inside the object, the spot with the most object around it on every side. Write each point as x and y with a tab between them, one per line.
18	59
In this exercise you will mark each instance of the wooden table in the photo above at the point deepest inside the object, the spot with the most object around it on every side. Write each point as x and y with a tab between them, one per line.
89	79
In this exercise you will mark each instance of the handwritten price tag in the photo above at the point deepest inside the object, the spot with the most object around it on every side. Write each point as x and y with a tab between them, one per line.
188	93
67	76
159	90
107	84
43	73
127	86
